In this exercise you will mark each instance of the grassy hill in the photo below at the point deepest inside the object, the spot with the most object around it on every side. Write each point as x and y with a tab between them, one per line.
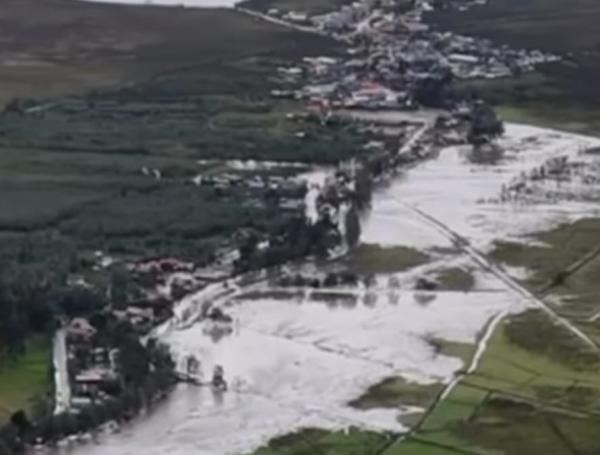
56	47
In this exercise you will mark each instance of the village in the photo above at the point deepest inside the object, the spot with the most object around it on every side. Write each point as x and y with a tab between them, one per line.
396	60
394	87
395	64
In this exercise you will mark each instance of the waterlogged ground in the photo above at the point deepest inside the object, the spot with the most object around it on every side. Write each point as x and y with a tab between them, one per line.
463	190
374	355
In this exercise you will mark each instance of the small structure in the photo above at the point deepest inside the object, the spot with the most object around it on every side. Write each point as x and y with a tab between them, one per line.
218	379
90	382
80	329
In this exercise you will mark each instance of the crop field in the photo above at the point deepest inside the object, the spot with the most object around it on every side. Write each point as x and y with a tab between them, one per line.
25	379
562	95
107	163
530	395
536	389
77	169
565	268
57	47
305	6
310	441
368	258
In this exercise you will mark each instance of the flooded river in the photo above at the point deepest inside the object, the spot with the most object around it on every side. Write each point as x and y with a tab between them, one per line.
297	361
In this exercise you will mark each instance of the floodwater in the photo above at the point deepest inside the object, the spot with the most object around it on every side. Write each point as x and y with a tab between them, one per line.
175	3
296	362
466	196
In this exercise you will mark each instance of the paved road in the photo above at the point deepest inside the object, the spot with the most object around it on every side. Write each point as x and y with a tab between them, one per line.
61	377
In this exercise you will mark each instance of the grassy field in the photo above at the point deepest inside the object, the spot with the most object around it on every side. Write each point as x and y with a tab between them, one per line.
528	396
565	95
57	47
25	378
313	441
171	86
455	279
377	259
311	7
537	389
547	263
76	171
396	391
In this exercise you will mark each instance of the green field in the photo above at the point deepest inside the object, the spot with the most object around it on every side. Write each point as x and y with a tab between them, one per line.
311	7
367	258
537	389
75	173
396	391
25	379
65	47
314	441
549	264
526	397
455	279
192	85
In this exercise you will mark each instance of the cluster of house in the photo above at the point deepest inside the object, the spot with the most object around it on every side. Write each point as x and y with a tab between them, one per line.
254	185
92	365
92	368
394	54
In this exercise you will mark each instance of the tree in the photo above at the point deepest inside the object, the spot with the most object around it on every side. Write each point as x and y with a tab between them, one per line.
20	420
352	223
87	418
120	286
63	425
133	360
431	91
4	449
248	245
324	235
363	187
9	439
485	124
79	300
26	295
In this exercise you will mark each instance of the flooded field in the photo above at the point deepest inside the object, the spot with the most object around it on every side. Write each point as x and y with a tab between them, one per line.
471	198
358	354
